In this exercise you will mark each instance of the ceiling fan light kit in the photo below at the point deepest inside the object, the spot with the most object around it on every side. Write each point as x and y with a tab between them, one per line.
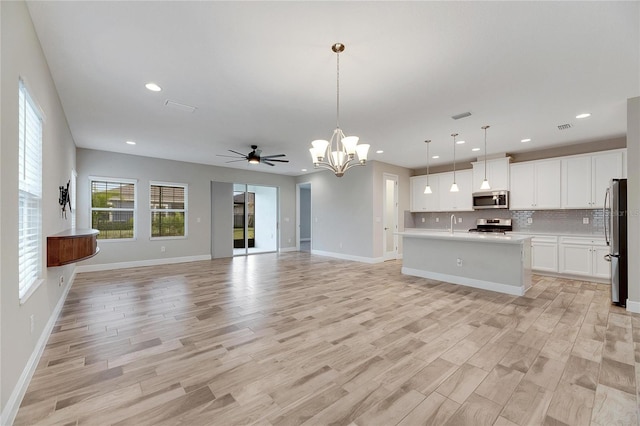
338	153
255	157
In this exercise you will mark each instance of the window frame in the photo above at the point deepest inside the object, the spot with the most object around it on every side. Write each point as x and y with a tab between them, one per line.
127	181
185	211
30	189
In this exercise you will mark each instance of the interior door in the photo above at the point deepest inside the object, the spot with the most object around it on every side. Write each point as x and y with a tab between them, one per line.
390	217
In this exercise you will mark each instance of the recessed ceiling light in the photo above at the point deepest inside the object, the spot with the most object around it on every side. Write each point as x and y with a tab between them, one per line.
583	115
460	142
436	156
303	170
526	140
379	151
153	87
131	143
475	149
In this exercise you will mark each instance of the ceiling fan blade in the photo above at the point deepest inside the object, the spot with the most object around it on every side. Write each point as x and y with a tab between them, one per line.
228	156
239	153
271	159
235	161
274	156
266	162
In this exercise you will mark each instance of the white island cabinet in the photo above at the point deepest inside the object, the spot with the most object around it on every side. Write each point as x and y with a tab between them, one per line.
499	263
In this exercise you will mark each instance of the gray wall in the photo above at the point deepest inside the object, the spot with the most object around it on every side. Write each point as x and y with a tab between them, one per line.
22	57
347	212
305	213
633	184
198	177
221	219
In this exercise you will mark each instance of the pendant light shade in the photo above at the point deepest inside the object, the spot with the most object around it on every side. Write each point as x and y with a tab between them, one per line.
485	182
427	188
454	185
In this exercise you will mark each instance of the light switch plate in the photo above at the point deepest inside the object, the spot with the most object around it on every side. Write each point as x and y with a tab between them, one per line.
437	219
423	220
529	220
585	220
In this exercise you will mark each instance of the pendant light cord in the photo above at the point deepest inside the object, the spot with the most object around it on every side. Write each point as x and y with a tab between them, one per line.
485	151
338	90
454	156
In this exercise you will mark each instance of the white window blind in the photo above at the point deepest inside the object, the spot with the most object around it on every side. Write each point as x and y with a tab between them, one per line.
30	192
168	206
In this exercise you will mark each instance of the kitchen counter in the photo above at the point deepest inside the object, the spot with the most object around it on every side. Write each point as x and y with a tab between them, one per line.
494	262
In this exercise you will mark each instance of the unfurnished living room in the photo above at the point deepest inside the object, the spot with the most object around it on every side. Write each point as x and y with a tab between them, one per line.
320	213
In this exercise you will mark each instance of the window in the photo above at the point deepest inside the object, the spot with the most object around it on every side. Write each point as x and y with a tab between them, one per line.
29	193
168	203
72	194
113	208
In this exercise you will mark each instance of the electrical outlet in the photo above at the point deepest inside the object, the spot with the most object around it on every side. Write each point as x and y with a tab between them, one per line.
198	220
585	220
437	219
61	280
459	262
289	239
341	244
33	323
529	220
459	220
423	220
163	249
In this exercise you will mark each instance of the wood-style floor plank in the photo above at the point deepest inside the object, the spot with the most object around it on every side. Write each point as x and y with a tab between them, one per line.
291	339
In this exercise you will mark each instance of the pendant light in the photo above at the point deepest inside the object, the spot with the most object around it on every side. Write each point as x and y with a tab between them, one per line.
427	189
338	153
485	182
454	185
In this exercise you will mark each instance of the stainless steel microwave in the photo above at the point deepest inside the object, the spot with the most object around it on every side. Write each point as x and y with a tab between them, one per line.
491	200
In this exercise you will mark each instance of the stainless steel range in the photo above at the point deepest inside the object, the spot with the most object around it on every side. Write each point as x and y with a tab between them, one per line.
492	225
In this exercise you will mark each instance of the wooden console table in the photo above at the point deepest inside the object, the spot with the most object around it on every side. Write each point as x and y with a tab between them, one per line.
71	246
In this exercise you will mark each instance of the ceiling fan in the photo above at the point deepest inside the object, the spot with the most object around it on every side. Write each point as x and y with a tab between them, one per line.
255	157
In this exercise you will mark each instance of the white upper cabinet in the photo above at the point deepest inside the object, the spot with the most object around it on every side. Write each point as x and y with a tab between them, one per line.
586	177
497	174
456	201
421	202
534	185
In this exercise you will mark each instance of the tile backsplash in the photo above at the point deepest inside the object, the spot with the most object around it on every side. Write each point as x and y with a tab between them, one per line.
542	221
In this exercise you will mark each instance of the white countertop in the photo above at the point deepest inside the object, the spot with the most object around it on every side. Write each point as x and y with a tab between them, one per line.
464	236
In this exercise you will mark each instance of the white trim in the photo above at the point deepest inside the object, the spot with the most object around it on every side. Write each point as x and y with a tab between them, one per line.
138	263
288	249
15	399
348	256
588	278
469	282
633	306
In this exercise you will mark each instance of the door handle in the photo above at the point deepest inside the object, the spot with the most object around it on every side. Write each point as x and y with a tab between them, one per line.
386	229
607	257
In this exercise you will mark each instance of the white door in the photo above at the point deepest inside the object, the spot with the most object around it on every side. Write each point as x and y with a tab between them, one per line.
390	217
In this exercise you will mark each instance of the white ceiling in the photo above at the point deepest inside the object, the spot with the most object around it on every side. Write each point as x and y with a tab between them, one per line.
263	73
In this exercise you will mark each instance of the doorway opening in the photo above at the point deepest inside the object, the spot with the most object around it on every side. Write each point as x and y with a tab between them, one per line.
303	242
255	219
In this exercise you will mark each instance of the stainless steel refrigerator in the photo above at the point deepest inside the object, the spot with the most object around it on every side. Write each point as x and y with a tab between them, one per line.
615	233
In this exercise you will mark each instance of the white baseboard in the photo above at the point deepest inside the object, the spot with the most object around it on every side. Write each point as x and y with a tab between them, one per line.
139	263
287	249
633	306
469	282
572	276
348	256
15	399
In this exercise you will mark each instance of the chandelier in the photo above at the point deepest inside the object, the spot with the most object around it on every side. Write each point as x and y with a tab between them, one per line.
338	153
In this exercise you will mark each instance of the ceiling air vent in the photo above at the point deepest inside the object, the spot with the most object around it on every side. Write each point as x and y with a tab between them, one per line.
564	126
459	116
179	106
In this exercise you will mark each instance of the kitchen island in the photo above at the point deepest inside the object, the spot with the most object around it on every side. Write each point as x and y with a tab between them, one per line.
488	261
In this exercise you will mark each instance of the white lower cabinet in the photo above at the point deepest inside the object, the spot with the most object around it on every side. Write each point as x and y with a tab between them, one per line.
544	253
584	256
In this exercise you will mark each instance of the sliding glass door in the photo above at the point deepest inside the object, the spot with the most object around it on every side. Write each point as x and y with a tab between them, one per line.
255	219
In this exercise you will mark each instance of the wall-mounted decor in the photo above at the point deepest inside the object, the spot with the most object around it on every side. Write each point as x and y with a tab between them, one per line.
64	199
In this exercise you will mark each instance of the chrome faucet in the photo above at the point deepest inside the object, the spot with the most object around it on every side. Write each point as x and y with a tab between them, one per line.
453	221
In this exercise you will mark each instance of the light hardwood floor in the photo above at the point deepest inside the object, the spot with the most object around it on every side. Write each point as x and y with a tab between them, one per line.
289	339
